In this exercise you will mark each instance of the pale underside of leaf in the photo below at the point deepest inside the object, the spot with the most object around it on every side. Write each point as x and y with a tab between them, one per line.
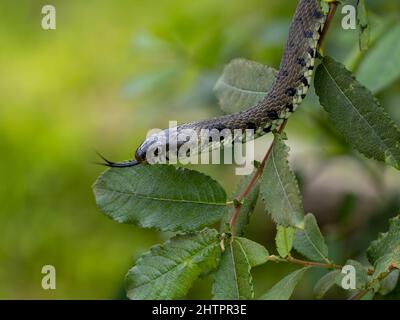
380	67
285	287
389	283
361	275
384	253
256	253
243	84
309	241
284	240
325	283
364	26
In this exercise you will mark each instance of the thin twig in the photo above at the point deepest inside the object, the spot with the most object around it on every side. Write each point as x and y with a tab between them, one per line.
313	264
359	295
332	10
305	263
250	185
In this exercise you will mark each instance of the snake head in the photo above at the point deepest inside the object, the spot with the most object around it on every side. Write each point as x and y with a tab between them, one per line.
153	142
155	146
165	145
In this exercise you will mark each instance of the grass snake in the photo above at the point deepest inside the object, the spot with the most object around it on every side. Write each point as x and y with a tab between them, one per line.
287	92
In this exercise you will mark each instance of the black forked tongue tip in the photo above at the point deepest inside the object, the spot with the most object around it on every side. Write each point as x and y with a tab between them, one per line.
111	164
126	164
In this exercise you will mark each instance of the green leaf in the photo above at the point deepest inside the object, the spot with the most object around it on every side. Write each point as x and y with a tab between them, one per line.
363	23
284	240
167	271
356	113
380	67
256	253
232	280
394	294
285	287
385	265
279	189
362	277
387	243
389	283
309	241
384	253
325	283
247	208
243	84
160	196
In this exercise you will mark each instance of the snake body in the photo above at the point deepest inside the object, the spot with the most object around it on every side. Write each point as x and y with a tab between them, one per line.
287	92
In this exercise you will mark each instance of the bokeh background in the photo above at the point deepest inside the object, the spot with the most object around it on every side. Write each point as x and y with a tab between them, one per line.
113	70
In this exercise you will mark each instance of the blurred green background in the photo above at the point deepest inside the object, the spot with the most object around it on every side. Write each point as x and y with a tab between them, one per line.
113	70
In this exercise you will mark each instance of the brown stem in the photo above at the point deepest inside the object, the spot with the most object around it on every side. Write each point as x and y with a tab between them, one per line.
332	10
359	295
250	185
313	264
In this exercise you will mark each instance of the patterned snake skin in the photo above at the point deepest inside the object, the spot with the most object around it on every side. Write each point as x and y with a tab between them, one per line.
287	92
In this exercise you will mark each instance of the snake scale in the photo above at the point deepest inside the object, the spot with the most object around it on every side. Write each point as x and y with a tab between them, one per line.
287	92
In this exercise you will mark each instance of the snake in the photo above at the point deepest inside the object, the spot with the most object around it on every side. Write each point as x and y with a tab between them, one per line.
288	90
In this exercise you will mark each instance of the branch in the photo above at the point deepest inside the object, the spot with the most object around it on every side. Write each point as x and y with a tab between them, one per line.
313	264
238	201
305	263
359	295
332	10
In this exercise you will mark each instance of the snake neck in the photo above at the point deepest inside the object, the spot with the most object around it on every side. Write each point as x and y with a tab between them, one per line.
288	90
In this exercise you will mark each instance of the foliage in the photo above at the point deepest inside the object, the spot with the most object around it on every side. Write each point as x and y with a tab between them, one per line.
183	200
384	253
310	242
233	279
143	195
284	240
243	84
285	287
378	70
356	114
279	188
